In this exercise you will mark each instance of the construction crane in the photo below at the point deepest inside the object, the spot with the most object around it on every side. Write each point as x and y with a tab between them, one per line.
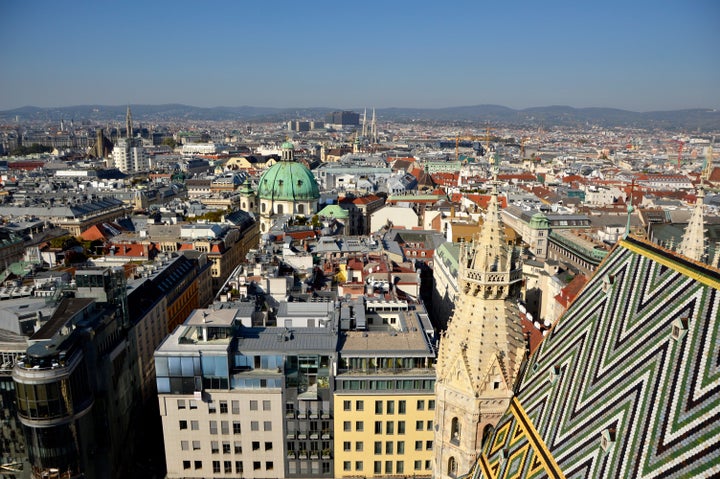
479	138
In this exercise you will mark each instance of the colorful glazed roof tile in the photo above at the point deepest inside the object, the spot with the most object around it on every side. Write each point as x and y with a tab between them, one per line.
626	384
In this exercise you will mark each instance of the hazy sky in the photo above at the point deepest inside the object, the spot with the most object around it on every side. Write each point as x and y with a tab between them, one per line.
631	54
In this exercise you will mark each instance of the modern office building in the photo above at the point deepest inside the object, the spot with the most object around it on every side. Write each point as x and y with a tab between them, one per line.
76	385
340	119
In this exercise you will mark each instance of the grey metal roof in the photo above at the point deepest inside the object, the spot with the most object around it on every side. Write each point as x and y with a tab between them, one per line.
282	340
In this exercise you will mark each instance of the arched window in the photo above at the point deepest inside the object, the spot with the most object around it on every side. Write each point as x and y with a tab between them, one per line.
452	467
279	209
487	432
455	430
301	208
263	206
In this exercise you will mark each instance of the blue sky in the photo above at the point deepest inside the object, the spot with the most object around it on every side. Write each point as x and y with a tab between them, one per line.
633	54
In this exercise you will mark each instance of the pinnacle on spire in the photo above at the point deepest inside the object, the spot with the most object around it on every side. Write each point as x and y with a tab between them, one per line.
693	240
128	122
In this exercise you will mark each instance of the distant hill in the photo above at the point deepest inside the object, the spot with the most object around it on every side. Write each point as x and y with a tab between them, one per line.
547	116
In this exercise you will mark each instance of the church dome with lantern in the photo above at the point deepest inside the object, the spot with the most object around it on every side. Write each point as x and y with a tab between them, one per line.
286	188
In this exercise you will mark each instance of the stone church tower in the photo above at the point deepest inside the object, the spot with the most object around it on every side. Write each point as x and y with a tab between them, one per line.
481	351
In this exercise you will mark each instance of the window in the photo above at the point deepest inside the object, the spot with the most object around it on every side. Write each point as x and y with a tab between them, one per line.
401	406
358	446
378	407
211	409
268	446
254	426
235	407
267	425
429	425
401	427
184	445
388	467
256	445
223	407
181	403
214	447
193	404
359	426
417	465
401	447
419	425
399	467
256	465
391	407
378	447
183	424
268	465
236	427
198	464
226	447
253	405
358	465
347	405
237	447
377	467
431	405
389	447
455	430
227	467
347	426
195	425
326	468
238	466
346	446
421	405
346	465
359	405
186	464
390	427
213	427
216	466
452	467
378	427
418	445
224	427
196	445
428	445
266	405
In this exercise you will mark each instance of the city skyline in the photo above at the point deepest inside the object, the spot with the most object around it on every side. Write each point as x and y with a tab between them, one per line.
643	56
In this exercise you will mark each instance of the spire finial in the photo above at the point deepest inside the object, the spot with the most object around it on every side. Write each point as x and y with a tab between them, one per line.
128	122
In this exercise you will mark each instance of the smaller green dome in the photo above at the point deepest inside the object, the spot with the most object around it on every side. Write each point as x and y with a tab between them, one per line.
287	146
539	221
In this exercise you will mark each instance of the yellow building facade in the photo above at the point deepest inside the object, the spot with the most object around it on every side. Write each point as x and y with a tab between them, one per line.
386	435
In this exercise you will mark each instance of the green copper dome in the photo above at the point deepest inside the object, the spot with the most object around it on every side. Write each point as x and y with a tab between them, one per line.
287	146
539	221
288	181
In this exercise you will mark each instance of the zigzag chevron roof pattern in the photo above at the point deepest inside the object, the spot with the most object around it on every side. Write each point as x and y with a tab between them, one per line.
627	384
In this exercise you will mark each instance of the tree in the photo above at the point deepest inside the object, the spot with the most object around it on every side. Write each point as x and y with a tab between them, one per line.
170	141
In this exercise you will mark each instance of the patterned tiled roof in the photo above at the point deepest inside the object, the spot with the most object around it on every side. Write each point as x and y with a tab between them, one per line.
626	384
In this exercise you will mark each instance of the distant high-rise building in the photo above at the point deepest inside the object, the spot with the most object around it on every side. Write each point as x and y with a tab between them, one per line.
340	119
